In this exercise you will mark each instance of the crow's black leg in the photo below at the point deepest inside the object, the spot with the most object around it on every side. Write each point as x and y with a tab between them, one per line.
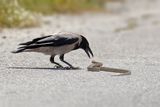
52	61
62	59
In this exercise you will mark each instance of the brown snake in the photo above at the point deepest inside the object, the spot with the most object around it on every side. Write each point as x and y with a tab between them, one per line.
98	66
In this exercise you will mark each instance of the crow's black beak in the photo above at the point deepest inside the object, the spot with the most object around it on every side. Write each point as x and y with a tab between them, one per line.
88	52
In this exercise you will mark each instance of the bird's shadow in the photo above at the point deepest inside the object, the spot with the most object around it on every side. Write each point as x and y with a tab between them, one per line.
44	68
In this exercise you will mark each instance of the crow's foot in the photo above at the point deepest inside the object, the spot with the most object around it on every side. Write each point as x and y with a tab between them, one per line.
58	67
70	68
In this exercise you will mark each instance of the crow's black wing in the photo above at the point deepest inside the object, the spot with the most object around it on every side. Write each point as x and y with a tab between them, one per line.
52	41
34	40
58	40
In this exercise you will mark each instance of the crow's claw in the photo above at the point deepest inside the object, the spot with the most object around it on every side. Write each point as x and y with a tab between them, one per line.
71	68
58	67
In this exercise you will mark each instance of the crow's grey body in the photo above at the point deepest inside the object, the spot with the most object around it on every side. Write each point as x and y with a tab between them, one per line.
56	44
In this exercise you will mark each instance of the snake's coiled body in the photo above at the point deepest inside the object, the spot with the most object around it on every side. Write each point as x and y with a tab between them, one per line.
98	66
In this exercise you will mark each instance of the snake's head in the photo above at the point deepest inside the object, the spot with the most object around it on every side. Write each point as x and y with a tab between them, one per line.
97	64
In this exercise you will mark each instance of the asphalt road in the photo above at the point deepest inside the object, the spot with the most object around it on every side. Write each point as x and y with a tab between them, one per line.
126	41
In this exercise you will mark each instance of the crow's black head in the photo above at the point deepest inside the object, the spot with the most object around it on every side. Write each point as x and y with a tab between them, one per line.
85	46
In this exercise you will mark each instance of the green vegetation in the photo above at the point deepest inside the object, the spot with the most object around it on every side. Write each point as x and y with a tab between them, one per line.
21	13
62	6
13	15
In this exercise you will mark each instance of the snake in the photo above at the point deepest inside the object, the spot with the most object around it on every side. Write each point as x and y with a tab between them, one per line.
96	66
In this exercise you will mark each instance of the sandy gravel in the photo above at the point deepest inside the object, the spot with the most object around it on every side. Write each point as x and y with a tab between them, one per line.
130	40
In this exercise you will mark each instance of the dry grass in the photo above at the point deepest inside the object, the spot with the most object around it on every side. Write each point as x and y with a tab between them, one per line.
62	6
19	13
13	15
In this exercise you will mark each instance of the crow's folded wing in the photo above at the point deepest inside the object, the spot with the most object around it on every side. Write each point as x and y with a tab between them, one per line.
51	41
34	40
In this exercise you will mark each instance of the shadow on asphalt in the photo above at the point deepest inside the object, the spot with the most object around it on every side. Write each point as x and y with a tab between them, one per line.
42	68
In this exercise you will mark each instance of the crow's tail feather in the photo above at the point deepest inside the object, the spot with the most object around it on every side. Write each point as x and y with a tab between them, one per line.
26	43
19	50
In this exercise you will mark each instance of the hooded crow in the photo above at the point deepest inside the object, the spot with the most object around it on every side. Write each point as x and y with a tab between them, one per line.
56	44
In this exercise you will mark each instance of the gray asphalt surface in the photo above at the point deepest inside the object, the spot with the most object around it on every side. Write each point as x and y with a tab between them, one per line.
127	41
